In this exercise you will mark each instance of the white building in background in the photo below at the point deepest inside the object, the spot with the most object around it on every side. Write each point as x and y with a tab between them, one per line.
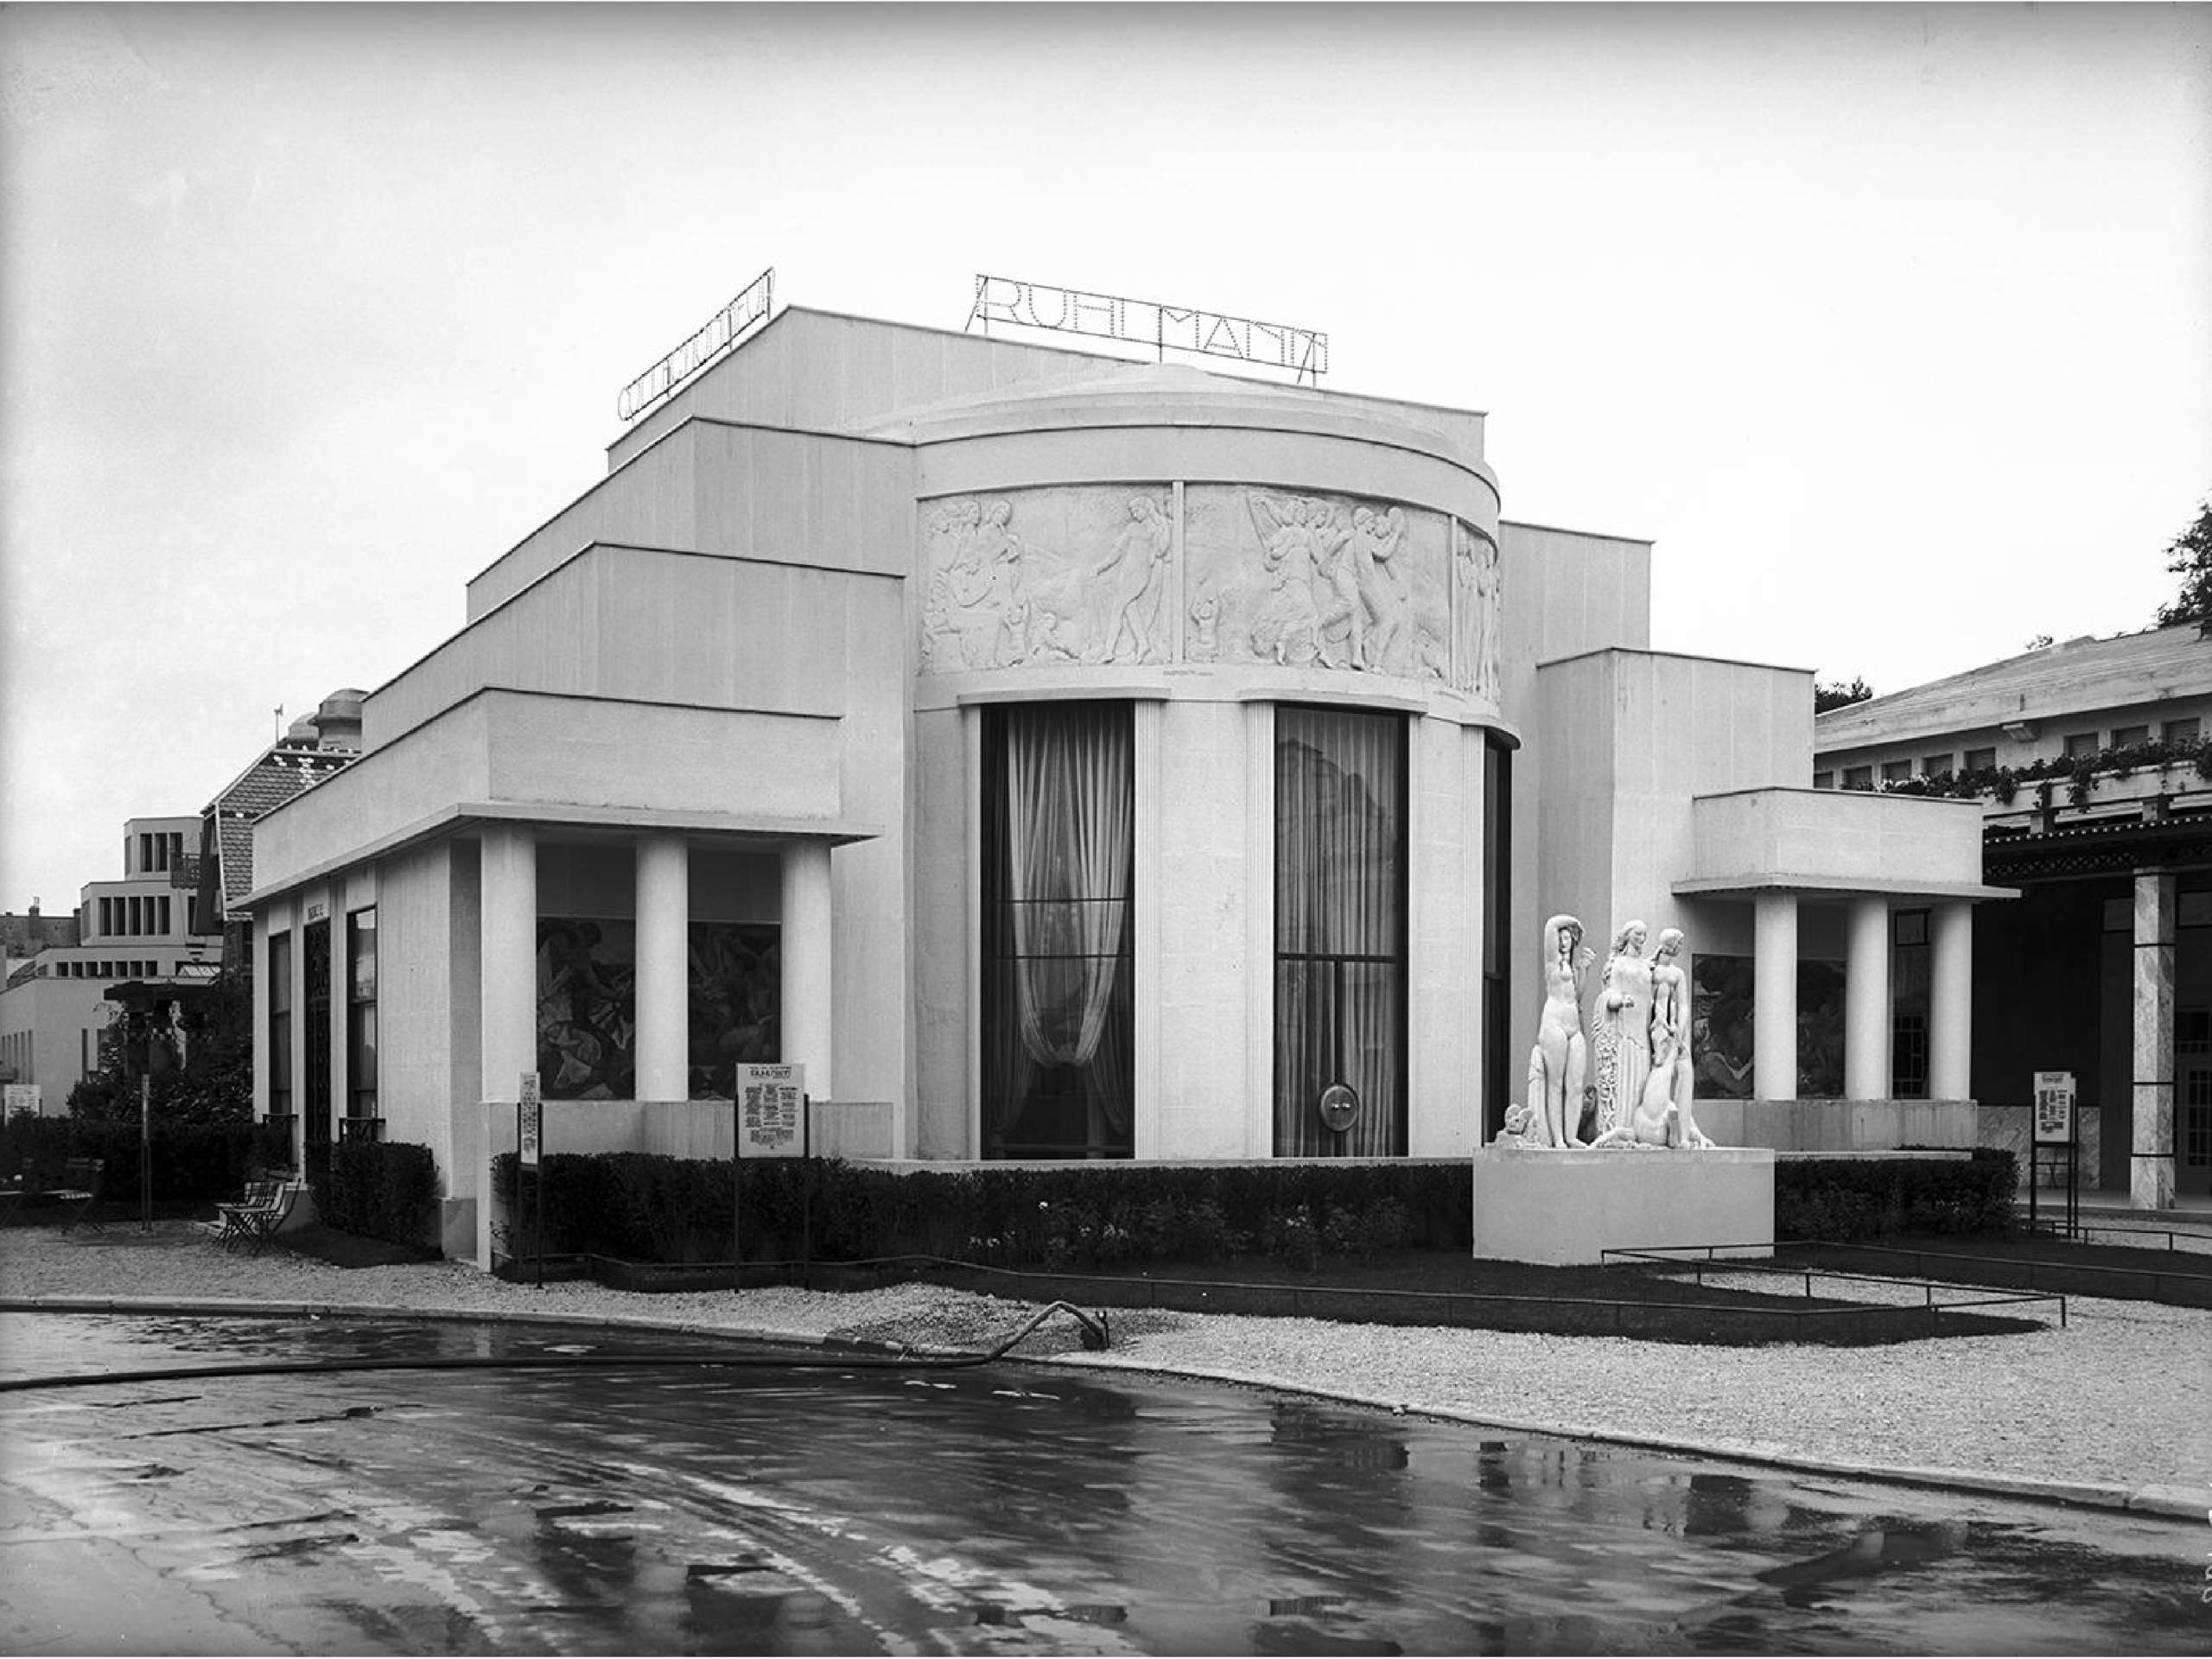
54	1011
1073	759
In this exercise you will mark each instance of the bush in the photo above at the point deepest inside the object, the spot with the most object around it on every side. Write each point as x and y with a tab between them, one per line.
1878	1198
378	1191
636	1207
192	1163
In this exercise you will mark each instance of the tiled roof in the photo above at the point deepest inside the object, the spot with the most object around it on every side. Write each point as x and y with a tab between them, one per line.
26	935
285	771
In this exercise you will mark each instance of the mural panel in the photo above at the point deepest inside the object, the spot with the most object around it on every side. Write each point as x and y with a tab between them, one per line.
1723	1023
1069	575
588	1005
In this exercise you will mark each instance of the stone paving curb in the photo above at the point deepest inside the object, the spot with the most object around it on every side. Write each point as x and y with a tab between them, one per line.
2164	1502
2176	1502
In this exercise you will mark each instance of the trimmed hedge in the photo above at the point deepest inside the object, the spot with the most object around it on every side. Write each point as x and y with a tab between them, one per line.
639	1207
377	1191
192	1163
1882	1198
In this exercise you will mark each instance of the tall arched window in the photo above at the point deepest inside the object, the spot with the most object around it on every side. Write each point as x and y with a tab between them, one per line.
1340	933
1058	1022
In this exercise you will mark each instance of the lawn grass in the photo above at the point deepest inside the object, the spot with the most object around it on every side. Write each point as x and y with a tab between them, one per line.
1452	1289
2025	1261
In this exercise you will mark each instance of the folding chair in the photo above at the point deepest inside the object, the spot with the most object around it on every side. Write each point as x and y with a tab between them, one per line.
79	1189
255	1222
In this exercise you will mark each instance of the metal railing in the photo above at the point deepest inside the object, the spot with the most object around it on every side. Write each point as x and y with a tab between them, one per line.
1676	1255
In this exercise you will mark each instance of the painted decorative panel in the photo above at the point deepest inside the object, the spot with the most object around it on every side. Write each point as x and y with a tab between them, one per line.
1079	574
1305	580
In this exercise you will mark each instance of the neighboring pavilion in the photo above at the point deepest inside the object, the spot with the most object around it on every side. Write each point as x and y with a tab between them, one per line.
2089	763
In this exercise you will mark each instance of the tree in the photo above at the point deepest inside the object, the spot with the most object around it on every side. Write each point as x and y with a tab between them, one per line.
213	1086
2191	560
1834	694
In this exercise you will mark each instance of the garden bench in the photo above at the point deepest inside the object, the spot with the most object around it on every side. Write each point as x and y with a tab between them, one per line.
254	1220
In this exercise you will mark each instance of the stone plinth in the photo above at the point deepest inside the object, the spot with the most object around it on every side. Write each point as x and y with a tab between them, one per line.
1563	1208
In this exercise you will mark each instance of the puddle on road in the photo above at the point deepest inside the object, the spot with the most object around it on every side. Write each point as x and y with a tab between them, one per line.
1005	1510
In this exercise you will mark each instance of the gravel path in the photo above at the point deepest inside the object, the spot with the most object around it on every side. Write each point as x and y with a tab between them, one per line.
2118	1401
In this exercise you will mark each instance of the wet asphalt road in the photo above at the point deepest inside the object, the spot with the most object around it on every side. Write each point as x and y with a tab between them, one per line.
757	1509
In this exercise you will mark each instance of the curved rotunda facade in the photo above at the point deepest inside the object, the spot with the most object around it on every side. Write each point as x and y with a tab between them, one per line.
1218	668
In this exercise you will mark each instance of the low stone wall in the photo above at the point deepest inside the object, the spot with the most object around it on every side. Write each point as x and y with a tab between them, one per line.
1840	1125
2008	1127
1567	1207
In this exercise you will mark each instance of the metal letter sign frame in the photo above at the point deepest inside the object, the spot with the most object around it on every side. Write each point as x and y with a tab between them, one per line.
723	330
1305	352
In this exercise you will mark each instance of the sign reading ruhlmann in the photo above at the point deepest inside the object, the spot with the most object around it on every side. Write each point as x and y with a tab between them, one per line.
1149	322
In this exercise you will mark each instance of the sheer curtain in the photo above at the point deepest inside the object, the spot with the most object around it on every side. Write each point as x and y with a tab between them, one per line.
1062	851
1340	928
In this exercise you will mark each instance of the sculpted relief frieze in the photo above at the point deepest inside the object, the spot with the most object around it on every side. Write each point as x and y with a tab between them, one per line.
1060	576
1111	574
1307	580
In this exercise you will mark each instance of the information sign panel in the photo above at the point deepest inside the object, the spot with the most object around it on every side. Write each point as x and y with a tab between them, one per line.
530	1119
22	1097
771	1111
2053	1108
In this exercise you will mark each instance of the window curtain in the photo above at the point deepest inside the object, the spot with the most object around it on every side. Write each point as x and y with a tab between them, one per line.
1340	998
1064	841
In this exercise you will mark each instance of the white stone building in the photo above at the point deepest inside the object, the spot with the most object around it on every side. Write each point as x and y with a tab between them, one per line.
54	1011
1067	756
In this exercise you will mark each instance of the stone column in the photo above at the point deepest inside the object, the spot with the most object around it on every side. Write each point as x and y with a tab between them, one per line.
664	910
508	927
1950	1002
1774	996
507	1016
1867	1001
2151	1173
805	1011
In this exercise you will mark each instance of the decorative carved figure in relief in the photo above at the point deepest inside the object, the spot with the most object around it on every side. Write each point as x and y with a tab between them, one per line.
951	617
1343	611
1621	1030
1476	575
1554	1112
1488	581
1382	589
1287	628
1129	581
1206	627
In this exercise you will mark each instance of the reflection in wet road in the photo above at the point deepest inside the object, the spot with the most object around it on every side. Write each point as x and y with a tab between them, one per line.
667	1509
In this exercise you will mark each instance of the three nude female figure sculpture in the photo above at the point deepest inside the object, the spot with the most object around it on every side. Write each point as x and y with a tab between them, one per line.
1638	1062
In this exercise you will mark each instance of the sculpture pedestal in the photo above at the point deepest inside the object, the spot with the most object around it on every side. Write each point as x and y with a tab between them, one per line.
1563	1208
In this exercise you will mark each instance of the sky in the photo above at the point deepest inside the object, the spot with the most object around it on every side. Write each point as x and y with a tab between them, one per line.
1891	327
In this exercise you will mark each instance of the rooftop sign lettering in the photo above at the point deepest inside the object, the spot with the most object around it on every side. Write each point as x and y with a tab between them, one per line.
1150	322
722	331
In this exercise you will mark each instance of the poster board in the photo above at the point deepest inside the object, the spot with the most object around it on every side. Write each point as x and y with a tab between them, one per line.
2053	1108
530	1122
771	1111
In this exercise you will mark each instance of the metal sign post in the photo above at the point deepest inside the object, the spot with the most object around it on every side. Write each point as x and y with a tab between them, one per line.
145	1152
770	1122
2057	1131
530	1146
